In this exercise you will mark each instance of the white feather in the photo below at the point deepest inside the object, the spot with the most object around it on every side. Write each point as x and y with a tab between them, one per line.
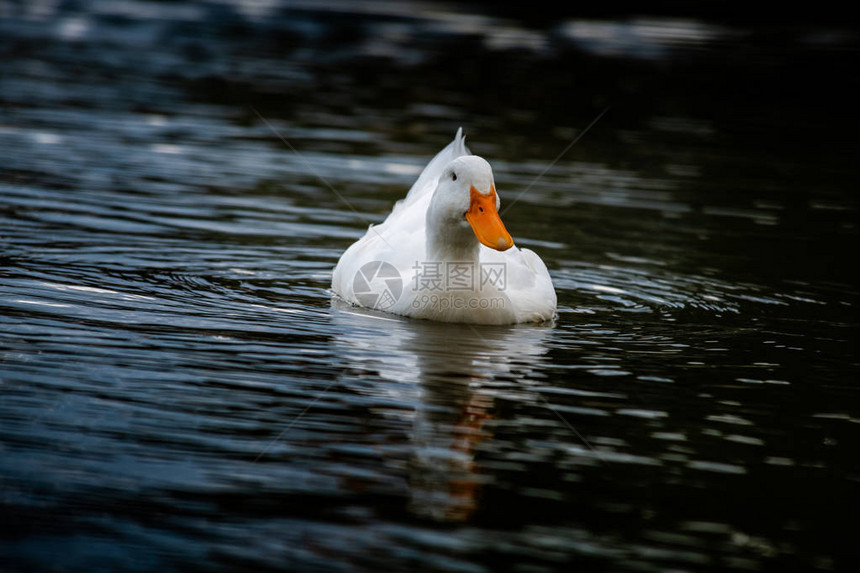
406	242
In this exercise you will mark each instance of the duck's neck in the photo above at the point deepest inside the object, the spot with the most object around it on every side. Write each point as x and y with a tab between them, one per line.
449	237
453	244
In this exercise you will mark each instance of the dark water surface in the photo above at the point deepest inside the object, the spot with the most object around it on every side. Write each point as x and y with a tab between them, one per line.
178	391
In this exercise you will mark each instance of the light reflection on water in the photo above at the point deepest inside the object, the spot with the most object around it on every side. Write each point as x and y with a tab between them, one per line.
179	388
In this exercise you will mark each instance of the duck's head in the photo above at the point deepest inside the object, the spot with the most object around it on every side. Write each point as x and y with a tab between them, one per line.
465	198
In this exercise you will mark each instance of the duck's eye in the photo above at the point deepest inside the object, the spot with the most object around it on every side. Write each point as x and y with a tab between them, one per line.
453	176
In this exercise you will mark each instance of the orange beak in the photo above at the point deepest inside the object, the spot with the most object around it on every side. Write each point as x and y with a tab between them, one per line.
485	220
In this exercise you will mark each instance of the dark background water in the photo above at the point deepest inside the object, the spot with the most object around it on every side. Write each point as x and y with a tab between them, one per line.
178	391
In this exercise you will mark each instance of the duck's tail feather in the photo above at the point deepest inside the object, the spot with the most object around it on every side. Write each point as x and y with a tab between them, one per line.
426	182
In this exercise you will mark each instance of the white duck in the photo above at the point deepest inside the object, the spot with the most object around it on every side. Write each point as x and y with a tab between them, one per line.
444	254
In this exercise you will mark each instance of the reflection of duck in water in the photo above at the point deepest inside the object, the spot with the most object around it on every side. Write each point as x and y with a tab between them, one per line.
445	479
450	366
447	244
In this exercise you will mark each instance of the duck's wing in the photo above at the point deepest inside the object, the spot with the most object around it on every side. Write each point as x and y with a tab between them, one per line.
524	279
